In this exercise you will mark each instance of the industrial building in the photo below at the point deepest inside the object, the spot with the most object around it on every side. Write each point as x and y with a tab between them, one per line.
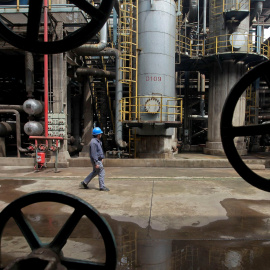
154	78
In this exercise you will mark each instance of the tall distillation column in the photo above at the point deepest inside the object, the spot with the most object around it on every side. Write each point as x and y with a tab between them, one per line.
228	35
156	76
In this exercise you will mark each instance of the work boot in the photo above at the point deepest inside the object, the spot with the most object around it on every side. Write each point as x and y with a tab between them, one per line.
83	185
104	189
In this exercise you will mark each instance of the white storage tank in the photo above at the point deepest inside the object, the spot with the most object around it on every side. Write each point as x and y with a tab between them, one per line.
156	66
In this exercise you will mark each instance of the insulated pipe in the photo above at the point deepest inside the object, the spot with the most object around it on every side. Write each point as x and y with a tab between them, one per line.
257	11
193	10
95	72
179	8
118	88
202	104
18	130
204	16
29	74
87	48
116	7
192	15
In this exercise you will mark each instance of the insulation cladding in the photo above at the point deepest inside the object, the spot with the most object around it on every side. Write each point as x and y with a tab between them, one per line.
156	67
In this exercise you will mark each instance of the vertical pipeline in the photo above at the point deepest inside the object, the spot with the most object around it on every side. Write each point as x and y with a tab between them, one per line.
46	68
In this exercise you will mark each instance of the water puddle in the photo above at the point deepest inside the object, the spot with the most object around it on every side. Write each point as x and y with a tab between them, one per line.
242	241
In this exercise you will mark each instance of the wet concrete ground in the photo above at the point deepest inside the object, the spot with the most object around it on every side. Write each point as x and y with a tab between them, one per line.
162	218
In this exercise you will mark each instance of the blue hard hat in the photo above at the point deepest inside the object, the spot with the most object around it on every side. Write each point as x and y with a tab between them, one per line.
97	131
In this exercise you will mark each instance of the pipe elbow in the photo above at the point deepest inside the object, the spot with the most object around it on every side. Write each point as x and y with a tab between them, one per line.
121	143
23	150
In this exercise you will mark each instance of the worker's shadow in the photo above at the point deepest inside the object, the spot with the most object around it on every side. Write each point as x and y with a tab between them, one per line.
90	187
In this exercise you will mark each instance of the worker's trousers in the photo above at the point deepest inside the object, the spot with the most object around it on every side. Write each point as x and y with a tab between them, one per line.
100	172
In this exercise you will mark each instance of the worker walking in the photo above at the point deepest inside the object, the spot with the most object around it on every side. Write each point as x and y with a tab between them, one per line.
96	156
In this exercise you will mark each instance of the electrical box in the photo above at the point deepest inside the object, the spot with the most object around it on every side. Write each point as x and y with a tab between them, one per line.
57	125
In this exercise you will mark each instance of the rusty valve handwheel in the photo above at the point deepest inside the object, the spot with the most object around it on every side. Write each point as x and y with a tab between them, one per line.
229	132
31	43
81	208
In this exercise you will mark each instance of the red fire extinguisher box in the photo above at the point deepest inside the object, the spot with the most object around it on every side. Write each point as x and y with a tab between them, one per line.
41	158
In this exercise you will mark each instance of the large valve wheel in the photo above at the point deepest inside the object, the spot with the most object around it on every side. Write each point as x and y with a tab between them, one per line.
81	208
229	132
30	41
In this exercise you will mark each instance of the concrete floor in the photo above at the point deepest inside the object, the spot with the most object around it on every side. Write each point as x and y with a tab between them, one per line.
162	218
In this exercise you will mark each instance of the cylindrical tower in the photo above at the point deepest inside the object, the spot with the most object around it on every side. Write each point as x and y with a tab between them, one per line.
228	36
156	75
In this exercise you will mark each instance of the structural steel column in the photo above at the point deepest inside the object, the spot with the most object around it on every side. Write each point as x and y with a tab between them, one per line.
221	82
88	118
59	84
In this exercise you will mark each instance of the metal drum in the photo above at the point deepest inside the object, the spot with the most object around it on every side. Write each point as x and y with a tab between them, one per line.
32	106
33	128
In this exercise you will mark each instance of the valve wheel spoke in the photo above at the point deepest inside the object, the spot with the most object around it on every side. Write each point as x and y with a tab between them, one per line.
251	130
81	208
229	132
27	230
71	41
61	238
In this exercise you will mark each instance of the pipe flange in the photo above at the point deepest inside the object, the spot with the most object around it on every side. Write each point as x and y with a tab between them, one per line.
152	105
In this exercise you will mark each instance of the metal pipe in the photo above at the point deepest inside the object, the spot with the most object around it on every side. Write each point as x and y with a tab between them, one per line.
18	108
45	138
202	104
95	72
116	7
193	9
204	16
7	129
29	74
87	48
76	127
46	68
118	89
114	27
257	11
179	8
18	130
264	117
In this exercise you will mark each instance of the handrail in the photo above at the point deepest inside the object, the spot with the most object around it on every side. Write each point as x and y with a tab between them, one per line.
219	7
245	43
162	110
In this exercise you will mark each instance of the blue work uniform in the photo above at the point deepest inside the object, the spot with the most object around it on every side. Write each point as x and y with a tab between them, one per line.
96	156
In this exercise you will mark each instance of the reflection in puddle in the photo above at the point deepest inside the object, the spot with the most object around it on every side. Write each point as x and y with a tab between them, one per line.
239	242
8	192
145	249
